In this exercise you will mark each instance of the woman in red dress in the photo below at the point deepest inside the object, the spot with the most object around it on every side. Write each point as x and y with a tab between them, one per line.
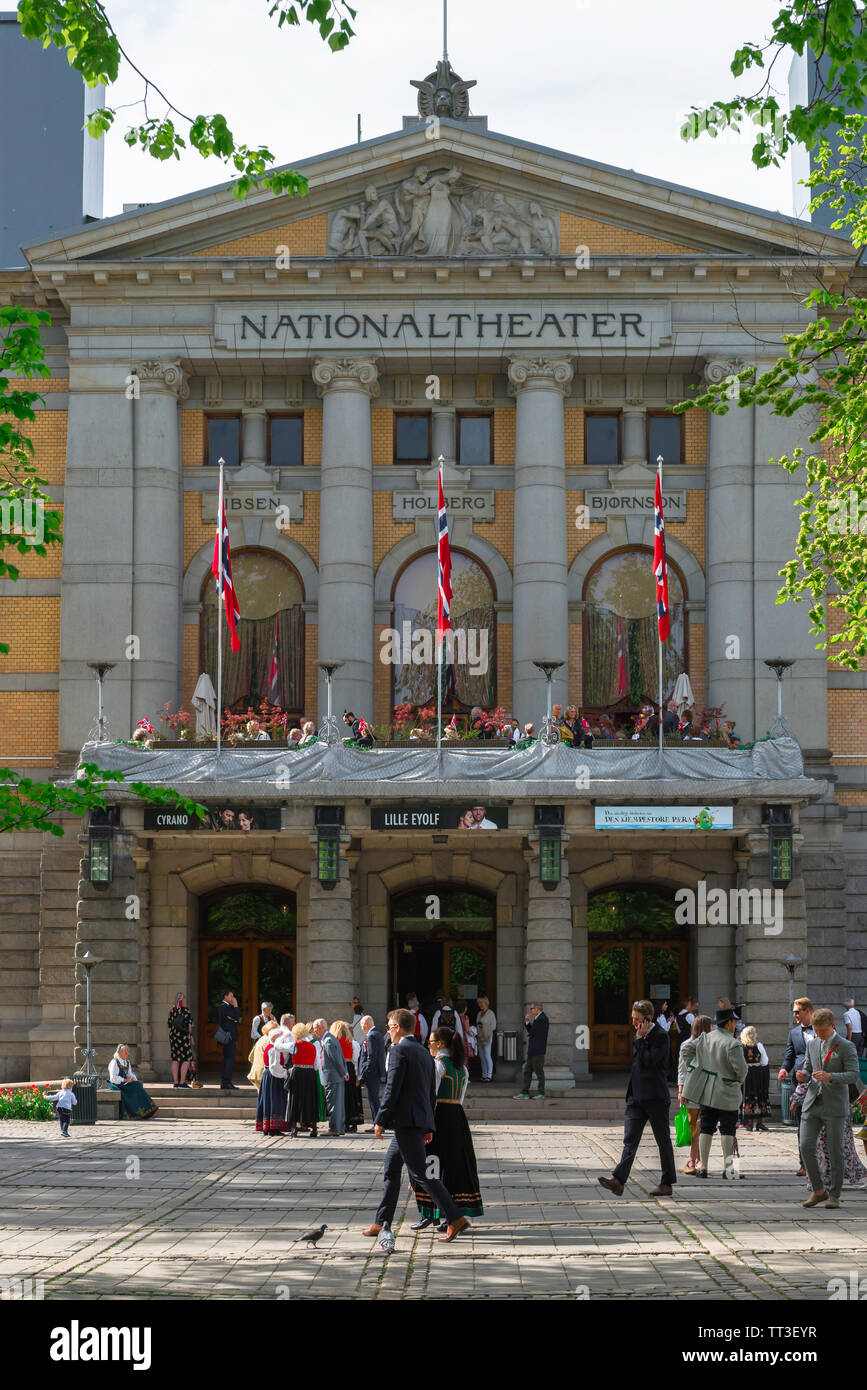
302	1098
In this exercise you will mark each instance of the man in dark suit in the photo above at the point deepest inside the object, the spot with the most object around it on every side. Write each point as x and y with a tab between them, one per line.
536	1023
647	1098
371	1064
408	1108
792	1068
230	1017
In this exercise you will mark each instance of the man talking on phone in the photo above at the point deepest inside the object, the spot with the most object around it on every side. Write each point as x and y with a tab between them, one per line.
647	1098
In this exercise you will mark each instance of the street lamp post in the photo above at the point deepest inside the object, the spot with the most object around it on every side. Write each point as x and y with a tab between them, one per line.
550	735
99	732
328	731
780	665
88	1065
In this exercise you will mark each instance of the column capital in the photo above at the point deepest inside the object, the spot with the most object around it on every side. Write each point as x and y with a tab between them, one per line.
346	374
539	373
717	369
163	375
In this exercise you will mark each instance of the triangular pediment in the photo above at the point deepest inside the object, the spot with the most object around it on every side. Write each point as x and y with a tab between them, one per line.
469	193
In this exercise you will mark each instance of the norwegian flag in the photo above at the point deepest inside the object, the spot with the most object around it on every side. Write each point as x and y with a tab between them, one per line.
444	567
274	683
222	568
659	566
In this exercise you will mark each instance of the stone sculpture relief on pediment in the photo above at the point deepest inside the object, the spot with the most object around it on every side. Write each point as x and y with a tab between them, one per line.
436	212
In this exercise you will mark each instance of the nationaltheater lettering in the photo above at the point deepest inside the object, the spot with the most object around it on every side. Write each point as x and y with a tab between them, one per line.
511	325
497	324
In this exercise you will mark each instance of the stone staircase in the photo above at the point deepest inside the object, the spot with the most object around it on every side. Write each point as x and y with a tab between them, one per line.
599	1101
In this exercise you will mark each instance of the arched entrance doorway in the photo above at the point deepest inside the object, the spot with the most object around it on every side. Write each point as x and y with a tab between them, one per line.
442	938
637	951
246	943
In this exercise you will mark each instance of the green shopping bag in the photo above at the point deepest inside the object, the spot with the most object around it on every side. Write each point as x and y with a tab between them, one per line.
681	1129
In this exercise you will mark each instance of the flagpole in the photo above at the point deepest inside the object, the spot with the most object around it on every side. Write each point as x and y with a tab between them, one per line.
220	615
439	655
659	469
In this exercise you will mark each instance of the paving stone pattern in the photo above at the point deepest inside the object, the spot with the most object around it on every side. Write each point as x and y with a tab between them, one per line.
216	1207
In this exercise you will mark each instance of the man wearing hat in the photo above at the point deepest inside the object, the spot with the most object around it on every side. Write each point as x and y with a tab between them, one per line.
715	1070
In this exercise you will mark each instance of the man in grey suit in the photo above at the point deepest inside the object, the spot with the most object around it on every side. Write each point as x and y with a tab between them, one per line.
831	1065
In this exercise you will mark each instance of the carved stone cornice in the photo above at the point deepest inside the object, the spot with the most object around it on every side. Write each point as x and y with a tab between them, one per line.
159	374
346	374
539	374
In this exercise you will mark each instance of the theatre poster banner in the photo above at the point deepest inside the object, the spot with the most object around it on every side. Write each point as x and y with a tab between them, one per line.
664	818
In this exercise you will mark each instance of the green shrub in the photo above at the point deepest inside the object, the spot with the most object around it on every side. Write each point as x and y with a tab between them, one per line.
26	1103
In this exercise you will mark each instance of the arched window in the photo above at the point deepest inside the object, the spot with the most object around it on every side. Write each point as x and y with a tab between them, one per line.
270	596
471	680
621	645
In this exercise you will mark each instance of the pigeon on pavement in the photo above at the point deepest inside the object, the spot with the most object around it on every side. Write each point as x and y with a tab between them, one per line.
386	1240
311	1237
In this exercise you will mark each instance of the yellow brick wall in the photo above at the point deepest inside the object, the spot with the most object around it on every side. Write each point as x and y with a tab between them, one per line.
852	798
48	434
504	436
28	724
604	239
192	438
504	668
312	438
691	531
575	668
846	709
305	237
573	423
31	626
44	385
311	672
33	566
834	620
500	533
381	681
578	536
196	531
382	434
386	531
695	438
697	668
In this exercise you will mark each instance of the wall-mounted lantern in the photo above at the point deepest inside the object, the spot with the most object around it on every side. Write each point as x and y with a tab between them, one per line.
100	835
549	822
781	849
329	823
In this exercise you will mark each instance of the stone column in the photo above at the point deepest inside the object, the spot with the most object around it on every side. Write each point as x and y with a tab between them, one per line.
254	424
157	537
330	944
443	434
730	633
634	437
762	946
96	588
549	966
346	386
540	600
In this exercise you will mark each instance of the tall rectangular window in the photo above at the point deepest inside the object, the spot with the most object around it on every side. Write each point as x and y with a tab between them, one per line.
602	440
223	440
412	437
285	440
665	437
475	441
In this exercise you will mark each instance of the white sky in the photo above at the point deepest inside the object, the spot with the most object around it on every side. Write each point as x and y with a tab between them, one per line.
608	81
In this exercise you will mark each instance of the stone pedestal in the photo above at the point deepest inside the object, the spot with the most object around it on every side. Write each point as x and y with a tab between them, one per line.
346	386
549	969
330	947
540	599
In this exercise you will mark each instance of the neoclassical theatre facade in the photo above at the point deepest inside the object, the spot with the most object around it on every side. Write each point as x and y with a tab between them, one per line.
531	317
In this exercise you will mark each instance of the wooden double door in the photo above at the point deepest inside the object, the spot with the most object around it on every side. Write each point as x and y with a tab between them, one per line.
621	972
460	966
255	970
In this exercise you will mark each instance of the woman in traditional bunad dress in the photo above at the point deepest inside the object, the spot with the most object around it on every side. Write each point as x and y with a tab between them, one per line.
452	1144
271	1106
257	1054
302	1085
351	1053
134	1099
